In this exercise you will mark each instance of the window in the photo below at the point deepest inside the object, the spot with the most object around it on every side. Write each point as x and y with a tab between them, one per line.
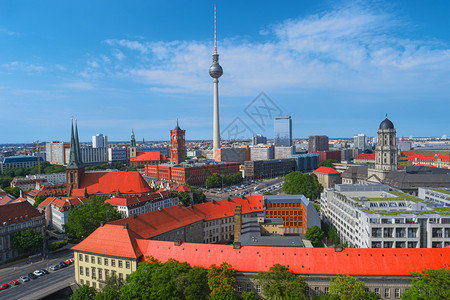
82	281
316	291
86	258
93	259
397	293
258	289
87	272
100	274
106	273
127	264
99	260
105	261
80	257
307	290
366	289
377	291
81	270
120	276
327	289
249	287
93	273
120	264
113	262
87	282
387	293
239	288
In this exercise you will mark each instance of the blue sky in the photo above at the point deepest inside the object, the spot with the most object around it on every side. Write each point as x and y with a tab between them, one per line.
336	67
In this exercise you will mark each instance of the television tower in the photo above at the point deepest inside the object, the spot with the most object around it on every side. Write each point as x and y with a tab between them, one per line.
215	71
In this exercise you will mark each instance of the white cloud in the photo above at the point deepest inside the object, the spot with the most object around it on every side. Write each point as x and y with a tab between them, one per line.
22	66
79	85
350	48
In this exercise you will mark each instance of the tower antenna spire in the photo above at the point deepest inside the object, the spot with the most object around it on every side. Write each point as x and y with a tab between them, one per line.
215	30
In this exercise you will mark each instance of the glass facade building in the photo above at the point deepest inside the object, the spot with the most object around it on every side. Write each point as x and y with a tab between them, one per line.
282	131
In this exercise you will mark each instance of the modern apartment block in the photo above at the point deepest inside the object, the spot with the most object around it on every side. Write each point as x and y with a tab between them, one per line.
373	216
438	195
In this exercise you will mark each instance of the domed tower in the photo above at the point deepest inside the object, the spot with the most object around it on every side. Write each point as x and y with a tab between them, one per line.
215	71
386	158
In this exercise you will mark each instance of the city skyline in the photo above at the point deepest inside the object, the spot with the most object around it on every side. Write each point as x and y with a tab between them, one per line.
130	66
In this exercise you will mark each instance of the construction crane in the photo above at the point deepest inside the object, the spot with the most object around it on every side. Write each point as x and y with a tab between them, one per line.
38	157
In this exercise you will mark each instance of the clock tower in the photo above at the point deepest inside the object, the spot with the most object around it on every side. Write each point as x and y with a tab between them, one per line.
178	151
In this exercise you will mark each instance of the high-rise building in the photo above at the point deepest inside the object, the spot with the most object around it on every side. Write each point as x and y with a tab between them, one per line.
215	71
359	141
259	139
178	151
99	141
282	130
318	143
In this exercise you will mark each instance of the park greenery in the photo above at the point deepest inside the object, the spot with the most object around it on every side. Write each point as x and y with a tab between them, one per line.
279	283
429	284
328	163
305	184
27	242
315	235
13	191
86	219
38	200
217	180
117	165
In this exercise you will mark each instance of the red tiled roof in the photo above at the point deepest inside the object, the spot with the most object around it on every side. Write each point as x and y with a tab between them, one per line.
129	201
111	240
365	156
424	165
47	202
66	203
157	222
412	156
102	183
326	170
146	156
351	261
23	211
6	199
183	188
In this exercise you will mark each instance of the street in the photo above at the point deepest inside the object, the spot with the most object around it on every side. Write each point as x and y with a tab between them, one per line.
43	285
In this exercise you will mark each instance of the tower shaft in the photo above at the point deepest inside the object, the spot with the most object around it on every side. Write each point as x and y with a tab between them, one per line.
216	123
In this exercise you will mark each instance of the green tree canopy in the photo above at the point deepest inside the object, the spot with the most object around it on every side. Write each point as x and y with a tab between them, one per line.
86	219
328	163
27	242
314	234
280	284
221	281
38	200
345	287
214	181
305	184
193	284
84	292
5	181
184	197
197	195
15	191
429	284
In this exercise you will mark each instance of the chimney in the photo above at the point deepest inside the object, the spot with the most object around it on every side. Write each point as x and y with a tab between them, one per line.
102	223
125	226
237	222
134	216
159	208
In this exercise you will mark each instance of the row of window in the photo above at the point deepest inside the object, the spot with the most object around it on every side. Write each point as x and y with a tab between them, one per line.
106	261
98	273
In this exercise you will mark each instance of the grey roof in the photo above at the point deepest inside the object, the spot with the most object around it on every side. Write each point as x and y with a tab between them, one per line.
251	235
20	158
285	199
415	177
273	221
386	124
356	172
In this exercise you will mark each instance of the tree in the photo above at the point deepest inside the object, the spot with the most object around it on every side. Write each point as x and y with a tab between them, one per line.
280	284
184	197
86	219
221	281
197	195
111	289
249	295
193	285
27	241
328	163
14	191
5	181
305	184
38	200
429	284
347	288
214	181
314	234
83	292
267	193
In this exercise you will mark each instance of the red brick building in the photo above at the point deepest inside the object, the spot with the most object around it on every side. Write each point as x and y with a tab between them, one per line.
324	155
193	174
177	140
147	158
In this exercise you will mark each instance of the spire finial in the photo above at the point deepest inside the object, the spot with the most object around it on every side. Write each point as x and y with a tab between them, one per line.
215	30
386	115
177	122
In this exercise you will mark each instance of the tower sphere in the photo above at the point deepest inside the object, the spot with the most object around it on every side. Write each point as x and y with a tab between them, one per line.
386	124
215	71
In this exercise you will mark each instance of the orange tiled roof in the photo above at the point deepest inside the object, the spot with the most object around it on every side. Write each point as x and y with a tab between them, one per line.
18	212
326	170
130	201
147	156
111	240
157	222
351	261
365	156
102	183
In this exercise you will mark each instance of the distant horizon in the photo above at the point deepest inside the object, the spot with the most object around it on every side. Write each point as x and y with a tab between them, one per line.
336	67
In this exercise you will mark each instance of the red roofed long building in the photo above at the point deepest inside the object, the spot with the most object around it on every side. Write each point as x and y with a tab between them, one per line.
147	158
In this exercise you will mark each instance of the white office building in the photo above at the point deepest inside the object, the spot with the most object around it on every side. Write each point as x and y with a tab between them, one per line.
360	141
372	216
99	141
117	155
440	195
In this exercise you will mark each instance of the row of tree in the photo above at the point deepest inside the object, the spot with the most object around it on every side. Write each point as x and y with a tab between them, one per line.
116	165
46	168
306	184
175	280
217	180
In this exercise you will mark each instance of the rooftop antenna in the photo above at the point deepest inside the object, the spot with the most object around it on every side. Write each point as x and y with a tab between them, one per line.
215	30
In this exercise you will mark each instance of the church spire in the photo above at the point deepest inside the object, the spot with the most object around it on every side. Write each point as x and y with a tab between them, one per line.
74	156
133	139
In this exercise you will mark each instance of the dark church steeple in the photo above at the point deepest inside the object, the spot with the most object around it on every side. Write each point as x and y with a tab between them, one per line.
75	167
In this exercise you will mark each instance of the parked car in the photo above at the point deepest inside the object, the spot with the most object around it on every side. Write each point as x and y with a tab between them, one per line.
44	271
62	265
69	261
38	273
32	276
4	286
14	282
54	267
24	278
